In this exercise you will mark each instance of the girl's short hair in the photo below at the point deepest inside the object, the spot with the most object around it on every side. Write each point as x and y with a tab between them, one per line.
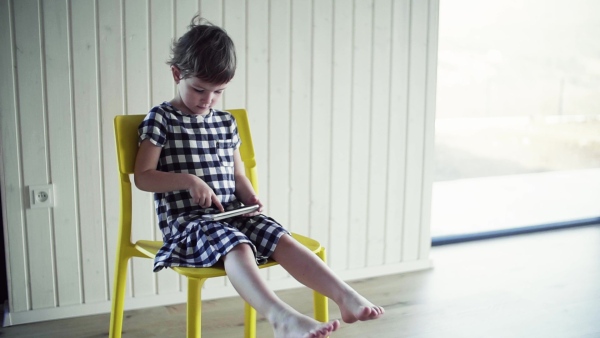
205	51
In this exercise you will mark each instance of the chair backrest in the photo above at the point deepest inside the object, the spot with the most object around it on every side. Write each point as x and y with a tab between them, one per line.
247	147
126	136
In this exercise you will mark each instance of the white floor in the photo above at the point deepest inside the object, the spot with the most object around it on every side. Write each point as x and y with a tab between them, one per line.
495	203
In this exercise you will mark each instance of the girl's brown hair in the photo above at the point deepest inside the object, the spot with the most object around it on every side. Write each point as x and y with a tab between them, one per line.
205	51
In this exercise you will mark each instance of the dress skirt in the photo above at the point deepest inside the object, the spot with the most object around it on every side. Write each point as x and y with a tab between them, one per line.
204	242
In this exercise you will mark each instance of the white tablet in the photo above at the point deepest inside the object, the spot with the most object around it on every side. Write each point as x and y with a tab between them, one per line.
246	209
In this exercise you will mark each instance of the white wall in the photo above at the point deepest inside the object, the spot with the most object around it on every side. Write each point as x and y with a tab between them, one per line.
341	98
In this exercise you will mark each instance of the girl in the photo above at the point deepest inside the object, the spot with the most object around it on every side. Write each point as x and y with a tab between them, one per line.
189	157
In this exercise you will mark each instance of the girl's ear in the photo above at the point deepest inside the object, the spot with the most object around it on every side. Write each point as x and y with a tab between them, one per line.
176	74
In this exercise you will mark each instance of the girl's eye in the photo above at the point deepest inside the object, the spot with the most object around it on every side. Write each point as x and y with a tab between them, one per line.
218	92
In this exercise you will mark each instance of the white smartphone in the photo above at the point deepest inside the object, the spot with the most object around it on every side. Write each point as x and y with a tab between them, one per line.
246	209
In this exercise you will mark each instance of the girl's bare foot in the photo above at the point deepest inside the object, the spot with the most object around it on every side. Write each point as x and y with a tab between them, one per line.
292	324
355	307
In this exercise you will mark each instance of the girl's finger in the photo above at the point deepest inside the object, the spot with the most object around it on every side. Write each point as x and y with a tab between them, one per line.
216	202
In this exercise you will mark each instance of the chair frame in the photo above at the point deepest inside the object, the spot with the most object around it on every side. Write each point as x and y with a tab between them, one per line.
126	136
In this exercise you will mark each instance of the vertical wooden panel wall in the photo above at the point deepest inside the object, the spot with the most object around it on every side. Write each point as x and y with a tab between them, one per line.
341	99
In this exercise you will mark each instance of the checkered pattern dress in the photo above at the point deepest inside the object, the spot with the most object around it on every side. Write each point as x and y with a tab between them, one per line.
203	146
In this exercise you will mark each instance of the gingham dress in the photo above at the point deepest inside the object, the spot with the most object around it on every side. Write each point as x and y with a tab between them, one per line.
203	146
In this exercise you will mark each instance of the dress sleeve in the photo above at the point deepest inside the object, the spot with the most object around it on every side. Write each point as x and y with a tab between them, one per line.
235	137
153	128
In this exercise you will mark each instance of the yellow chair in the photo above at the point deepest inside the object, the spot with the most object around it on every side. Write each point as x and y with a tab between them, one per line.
126	134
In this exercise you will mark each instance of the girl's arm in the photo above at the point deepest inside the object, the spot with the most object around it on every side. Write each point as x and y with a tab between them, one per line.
243	188
147	178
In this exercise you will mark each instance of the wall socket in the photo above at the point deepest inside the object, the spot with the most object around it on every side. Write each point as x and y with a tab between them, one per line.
41	196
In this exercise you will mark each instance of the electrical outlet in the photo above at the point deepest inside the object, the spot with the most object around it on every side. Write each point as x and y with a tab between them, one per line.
41	196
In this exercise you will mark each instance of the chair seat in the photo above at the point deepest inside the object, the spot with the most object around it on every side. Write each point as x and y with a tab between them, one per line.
150	248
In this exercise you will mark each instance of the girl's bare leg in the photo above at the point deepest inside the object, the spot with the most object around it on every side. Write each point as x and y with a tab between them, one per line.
287	323
311	271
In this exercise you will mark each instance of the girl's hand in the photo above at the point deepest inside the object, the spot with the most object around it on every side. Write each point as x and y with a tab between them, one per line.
203	195
252	200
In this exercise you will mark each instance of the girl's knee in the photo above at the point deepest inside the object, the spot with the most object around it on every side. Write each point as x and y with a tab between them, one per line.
242	249
285	242
285	239
287	245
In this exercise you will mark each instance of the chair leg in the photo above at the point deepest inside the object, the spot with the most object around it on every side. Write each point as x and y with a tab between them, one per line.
194	308
249	321
320	301
118	297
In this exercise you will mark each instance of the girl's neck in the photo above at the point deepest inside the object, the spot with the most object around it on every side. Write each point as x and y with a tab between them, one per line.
178	104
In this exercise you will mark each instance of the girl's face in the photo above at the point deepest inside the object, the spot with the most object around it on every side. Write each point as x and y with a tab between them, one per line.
196	96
